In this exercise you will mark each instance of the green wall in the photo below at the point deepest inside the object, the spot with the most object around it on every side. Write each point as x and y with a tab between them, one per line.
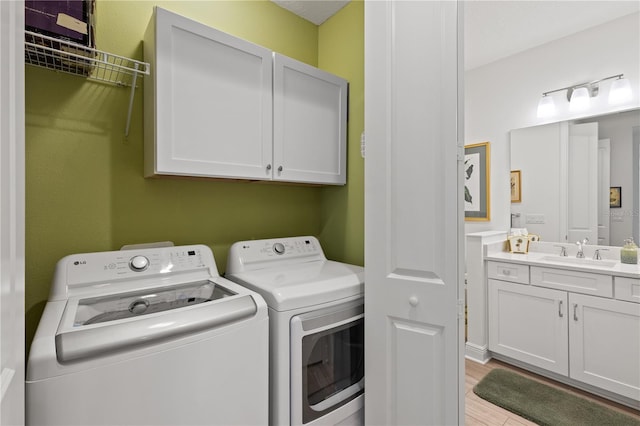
85	189
341	51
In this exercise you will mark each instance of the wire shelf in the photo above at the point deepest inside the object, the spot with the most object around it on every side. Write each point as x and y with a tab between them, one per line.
71	58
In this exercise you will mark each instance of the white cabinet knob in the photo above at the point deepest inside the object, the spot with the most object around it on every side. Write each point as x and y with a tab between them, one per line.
413	301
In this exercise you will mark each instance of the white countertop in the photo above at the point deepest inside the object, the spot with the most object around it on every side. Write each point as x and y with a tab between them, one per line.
551	260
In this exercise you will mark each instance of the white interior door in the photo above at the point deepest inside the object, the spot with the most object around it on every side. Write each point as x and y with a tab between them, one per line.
582	174
413	213
604	177
12	213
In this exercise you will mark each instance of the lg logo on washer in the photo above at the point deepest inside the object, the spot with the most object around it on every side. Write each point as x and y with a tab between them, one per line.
80	262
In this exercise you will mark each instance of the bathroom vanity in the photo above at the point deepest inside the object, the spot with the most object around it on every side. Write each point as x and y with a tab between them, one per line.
576	320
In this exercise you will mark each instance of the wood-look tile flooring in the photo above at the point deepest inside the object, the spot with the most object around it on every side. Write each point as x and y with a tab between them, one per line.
479	412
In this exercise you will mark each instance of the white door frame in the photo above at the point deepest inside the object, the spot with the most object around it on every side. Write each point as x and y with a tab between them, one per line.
636	182
12	213
604	182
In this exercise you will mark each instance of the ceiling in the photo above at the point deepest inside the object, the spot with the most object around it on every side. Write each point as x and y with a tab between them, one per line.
497	29
316	11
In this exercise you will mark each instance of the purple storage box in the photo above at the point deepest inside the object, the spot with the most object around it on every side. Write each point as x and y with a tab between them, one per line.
68	20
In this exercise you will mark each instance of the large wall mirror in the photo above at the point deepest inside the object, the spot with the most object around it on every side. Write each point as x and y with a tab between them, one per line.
578	179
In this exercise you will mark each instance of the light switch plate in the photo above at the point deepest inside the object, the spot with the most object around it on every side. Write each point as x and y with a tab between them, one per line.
534	218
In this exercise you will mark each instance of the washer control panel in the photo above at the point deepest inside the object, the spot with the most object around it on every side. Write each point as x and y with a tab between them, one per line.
248	255
114	265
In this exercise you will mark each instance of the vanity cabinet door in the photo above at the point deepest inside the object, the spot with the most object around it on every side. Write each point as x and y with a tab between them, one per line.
207	102
605	343
309	123
529	324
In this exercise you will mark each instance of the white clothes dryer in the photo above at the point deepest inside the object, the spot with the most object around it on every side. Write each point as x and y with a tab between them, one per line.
151	336
316	323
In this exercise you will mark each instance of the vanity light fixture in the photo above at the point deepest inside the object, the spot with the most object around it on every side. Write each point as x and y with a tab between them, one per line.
620	91
546	107
579	95
580	99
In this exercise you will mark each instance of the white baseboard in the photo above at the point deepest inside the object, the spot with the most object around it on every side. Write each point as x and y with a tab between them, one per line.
477	353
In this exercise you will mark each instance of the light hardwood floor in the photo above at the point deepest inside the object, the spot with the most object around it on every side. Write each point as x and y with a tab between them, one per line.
479	412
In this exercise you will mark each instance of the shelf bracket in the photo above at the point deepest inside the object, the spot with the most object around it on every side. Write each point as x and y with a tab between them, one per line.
134	79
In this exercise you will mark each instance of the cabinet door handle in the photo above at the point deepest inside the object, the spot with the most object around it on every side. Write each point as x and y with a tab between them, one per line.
280	168
268	167
560	310
575	312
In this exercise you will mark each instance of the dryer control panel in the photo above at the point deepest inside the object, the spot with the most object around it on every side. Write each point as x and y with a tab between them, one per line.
252	255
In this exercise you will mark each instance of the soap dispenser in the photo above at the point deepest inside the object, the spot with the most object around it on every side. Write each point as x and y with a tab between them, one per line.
629	252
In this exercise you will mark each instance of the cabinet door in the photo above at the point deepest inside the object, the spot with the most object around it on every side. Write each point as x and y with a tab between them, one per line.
604	342
208	102
529	324
309	123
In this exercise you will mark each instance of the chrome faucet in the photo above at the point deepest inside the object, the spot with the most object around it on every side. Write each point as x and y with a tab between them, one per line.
581	244
563	250
597	255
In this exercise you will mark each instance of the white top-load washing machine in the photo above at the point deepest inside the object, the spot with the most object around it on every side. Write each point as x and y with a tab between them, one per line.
148	337
316	322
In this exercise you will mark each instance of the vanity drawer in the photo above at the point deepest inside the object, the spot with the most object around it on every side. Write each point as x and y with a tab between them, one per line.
627	289
575	281
504	271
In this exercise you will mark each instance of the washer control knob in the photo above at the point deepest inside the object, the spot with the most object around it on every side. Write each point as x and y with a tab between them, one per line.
278	248
138	263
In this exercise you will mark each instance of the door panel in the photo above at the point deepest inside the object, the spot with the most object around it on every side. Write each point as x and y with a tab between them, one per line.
423	343
529	324
208	101
605	343
309	123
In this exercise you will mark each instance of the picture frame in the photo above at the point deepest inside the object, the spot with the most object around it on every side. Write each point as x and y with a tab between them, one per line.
477	162
615	197
516	186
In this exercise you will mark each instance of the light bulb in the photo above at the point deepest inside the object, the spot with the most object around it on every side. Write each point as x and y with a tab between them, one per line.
546	107
579	99
620	91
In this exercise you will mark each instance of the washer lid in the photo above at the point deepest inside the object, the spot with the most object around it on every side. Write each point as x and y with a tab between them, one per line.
101	325
128	305
306	284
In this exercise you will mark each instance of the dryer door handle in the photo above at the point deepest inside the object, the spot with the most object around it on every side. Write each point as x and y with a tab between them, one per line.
109	337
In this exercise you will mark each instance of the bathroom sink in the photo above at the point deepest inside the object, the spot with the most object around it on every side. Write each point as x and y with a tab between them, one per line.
580	262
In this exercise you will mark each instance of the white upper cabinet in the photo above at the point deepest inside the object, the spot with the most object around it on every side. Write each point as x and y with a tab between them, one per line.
209	109
309	127
208	102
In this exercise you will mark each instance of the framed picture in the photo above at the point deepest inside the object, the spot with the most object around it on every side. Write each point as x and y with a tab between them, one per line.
516	194
476	181
615	197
